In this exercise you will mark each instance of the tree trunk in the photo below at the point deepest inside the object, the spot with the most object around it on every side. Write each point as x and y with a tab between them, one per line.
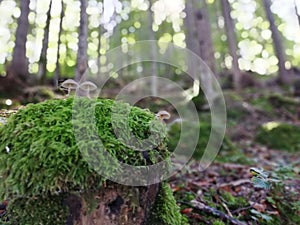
191	40
231	39
81	66
277	43
153	52
297	12
19	64
57	68
206	48
98	51
43	58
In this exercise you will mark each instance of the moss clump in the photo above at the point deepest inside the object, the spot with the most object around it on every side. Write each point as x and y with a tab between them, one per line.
218	222
41	159
165	210
279	136
43	152
233	202
46	210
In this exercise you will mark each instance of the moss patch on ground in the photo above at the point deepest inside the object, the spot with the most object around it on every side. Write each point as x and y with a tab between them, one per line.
166	211
229	152
280	136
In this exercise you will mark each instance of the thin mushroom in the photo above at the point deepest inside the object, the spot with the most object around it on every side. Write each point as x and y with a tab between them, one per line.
88	87
69	84
163	115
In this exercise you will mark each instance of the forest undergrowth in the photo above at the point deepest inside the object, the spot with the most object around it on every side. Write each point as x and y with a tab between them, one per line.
230	191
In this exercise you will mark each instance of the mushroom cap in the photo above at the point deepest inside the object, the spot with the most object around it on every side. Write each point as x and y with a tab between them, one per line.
88	86
163	115
69	84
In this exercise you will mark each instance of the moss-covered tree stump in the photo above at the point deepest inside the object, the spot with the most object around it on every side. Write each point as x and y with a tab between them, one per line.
48	180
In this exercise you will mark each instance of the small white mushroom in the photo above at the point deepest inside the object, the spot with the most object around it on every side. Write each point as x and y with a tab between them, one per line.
69	84
88	87
163	115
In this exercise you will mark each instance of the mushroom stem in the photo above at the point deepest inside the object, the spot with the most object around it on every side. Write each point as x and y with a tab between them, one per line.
88	86
88	93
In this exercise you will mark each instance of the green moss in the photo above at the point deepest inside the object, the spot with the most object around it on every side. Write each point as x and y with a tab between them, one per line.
263	103
43	153
204	134
279	136
46	210
234	106
287	203
165	210
41	160
233	202
230	153
218	222
2	121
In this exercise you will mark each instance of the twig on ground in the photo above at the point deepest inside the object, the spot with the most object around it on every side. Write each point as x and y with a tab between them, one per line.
200	206
250	206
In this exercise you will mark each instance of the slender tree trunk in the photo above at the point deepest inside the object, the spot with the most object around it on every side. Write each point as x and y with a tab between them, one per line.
297	12
219	30
230	33
277	43
153	52
81	66
98	51
204	37
43	58
19	64
193	41
191	38
57	68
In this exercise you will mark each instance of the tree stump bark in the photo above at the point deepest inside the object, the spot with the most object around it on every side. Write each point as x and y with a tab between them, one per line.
113	205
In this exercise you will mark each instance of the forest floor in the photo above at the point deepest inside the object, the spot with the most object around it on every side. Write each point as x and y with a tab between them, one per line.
227	192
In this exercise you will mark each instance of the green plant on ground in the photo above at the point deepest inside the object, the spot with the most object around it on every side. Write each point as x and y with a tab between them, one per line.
233	202
286	202
218	222
279	136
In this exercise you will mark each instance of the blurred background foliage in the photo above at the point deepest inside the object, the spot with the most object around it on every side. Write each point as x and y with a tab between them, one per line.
59	32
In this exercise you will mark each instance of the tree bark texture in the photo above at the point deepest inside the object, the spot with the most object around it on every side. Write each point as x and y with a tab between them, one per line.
153	52
19	64
81	66
191	36
198	42
43	58
57	67
278	48
206	48
115	204
297	12
231	39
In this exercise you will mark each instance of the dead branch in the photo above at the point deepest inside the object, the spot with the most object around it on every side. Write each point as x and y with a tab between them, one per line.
200	206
